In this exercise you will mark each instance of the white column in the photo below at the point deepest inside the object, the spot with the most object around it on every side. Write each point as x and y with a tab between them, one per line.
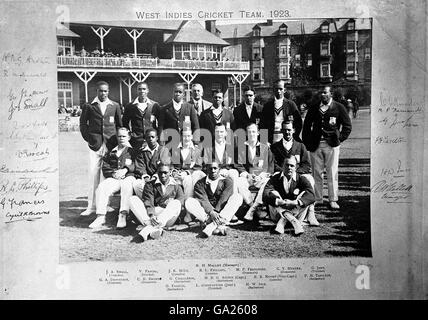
85	77
188	78
134	34
101	33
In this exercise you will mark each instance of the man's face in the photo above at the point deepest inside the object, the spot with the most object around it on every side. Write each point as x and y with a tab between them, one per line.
187	137
249	97
152	139
326	94
143	91
218	100
278	90
178	93
289	167
220	134
163	173
122	137
197	92
288	131
102	92
213	171
252	133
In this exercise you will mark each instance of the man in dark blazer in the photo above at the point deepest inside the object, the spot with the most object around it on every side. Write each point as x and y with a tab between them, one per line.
217	114
147	160
197	101
98	124
174	114
214	202
248	111
278	110
140	115
287	147
160	205
288	195
326	126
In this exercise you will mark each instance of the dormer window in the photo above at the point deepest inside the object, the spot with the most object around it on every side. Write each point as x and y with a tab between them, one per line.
325	28
283	30
351	25
256	31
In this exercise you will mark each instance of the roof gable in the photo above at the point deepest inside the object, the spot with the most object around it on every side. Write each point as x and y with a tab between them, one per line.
192	31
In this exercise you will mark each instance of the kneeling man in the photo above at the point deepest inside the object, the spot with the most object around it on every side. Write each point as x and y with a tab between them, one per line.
214	202
160	205
288	195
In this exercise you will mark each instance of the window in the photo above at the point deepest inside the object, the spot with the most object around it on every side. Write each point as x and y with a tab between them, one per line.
256	74
256	53
351	25
325	70
178	51
309	60
367	54
283	30
65	94
350	67
64	47
283	71
324	28
256	32
297	60
351	46
325	48
283	51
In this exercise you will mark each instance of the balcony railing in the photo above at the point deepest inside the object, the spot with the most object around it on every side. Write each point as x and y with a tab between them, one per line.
149	63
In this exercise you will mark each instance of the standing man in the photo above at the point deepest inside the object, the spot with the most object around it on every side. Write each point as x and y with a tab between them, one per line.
288	195
217	114
198	103
214	202
160	204
175	113
140	115
248	111
326	126
98	124
278	110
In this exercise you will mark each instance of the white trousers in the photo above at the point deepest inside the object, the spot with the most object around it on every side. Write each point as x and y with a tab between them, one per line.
95	175
276	213
244	185
195	208
109	186
189	182
234	175
165	216
328	158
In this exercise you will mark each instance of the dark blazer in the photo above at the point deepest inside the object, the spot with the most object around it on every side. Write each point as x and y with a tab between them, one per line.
138	122
298	149
153	195
205	106
334	125
213	201
111	162
97	128
192	162
241	115
301	184
228	160
290	112
251	165
168	118
208	122
146	163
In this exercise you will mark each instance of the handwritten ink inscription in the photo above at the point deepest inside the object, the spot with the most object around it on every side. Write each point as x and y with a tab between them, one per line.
26	100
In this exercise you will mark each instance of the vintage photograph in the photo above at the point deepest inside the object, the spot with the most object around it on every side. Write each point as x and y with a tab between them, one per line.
210	139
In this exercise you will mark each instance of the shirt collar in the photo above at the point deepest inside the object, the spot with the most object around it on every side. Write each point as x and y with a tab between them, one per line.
136	101
257	144
220	144
127	145
180	145
171	182
293	177
278	100
146	148
99	102
328	104
287	143
177	105
208	181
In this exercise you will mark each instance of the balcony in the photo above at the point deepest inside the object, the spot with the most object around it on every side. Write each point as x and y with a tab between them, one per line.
148	63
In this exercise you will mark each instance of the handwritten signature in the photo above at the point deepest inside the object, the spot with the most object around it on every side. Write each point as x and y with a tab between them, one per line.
25	100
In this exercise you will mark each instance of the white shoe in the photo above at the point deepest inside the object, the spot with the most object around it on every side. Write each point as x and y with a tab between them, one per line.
209	229
334	205
156	234
98	222
146	231
298	228
311	216
249	216
121	221
87	212
280	225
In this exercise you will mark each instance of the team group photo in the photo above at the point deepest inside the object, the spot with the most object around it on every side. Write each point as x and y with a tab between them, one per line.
215	141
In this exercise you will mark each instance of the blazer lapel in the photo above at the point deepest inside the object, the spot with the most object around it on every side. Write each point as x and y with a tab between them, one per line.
97	108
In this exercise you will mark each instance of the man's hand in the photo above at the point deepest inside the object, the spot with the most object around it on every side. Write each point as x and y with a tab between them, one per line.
215	216
154	221
289	204
121	173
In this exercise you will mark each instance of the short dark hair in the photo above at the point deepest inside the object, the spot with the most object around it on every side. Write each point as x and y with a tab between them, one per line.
102	83
248	88
179	84
162	164
289	157
220	124
279	81
142	82
287	122
215	91
124	129
150	130
251	124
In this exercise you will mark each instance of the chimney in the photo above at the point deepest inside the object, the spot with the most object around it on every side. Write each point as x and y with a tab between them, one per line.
269	22
210	26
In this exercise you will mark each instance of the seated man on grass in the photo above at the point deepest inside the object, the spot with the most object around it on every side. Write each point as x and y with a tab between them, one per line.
214	203
288	195
160	205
